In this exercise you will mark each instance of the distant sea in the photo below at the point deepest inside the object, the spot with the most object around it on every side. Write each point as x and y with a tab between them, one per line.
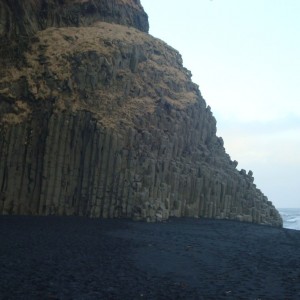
291	217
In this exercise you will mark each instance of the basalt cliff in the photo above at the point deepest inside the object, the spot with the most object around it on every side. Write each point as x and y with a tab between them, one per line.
100	119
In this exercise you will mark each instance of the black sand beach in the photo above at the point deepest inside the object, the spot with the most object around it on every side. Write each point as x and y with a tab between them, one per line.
79	258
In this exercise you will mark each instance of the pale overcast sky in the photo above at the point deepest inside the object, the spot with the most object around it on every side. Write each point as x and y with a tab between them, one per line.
245	57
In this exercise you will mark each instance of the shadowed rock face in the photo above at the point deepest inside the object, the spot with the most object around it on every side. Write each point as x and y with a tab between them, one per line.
100	119
21	20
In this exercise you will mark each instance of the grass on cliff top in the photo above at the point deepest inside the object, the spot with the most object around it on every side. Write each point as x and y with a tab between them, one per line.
54	49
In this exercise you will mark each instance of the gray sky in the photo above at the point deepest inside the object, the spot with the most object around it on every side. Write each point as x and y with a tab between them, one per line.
245	57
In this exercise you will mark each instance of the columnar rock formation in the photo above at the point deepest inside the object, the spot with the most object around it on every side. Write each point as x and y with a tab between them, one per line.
100	119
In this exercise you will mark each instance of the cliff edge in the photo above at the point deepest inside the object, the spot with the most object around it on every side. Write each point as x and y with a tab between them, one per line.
98	118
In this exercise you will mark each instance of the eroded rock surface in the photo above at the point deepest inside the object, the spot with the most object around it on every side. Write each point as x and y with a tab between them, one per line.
100	119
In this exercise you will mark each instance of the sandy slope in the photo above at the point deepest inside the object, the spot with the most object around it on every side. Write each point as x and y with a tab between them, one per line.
78	258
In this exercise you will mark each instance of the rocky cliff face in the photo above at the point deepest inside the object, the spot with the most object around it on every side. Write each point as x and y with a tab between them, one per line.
100	119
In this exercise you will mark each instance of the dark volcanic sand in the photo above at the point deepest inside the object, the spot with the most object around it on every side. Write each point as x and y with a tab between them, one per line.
79	258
